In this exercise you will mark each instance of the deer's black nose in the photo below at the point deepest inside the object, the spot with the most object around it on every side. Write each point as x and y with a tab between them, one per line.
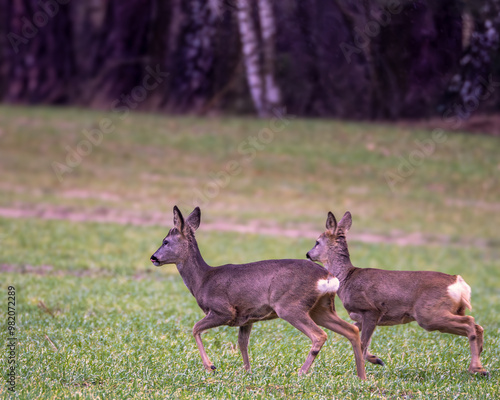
154	259
307	255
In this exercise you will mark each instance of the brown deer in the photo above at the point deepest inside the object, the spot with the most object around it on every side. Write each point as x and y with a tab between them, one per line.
299	291
372	297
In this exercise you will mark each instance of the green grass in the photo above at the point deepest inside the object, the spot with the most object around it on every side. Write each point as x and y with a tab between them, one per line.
97	320
122	328
150	162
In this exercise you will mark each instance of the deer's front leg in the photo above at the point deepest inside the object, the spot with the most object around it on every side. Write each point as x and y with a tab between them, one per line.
243	338
366	326
210	321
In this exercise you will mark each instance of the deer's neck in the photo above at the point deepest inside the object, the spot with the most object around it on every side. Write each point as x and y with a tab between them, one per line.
193	269
339	263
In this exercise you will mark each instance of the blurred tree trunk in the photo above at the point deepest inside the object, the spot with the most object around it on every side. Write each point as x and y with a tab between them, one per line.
250	49
195	54
472	84
112	53
160	47
88	19
259	65
5	13
230	92
415	61
310	57
337	58
272	96
41	64
365	59
357	20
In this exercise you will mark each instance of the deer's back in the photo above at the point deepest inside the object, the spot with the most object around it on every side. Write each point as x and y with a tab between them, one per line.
395	281
253	291
268	274
395	294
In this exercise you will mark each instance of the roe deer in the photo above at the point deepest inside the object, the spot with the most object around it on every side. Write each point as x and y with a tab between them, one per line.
372	297
299	291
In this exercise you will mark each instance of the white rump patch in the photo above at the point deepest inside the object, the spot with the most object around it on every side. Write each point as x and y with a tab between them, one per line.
460	292
330	285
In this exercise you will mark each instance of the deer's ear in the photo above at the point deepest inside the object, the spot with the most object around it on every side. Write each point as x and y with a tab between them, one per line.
331	222
346	222
193	220
178	219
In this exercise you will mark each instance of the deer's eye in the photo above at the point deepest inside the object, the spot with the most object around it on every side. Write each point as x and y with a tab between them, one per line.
317	243
165	242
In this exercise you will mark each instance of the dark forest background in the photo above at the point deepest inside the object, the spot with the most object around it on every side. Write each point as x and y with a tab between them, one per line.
366	59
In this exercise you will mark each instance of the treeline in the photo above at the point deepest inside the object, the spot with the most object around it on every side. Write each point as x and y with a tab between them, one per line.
368	59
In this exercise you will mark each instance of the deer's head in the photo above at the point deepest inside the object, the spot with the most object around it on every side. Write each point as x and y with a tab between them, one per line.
175	246
332	240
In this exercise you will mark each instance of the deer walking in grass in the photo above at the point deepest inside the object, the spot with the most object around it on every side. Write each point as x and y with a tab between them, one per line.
375	297
299	291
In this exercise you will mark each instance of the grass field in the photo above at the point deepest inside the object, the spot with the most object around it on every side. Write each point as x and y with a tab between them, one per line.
96	320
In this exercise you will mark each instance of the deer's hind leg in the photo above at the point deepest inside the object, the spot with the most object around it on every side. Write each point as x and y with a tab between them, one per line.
479	334
462	325
301	320
324	315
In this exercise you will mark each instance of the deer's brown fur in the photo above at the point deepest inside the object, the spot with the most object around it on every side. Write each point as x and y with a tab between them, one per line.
299	291
374	297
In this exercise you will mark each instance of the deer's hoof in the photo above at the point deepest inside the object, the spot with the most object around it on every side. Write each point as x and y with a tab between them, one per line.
379	362
480	371
213	368
376	360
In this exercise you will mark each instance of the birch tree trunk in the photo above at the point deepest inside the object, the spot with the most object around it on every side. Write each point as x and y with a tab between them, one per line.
260	71
272	95
370	58
250	49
